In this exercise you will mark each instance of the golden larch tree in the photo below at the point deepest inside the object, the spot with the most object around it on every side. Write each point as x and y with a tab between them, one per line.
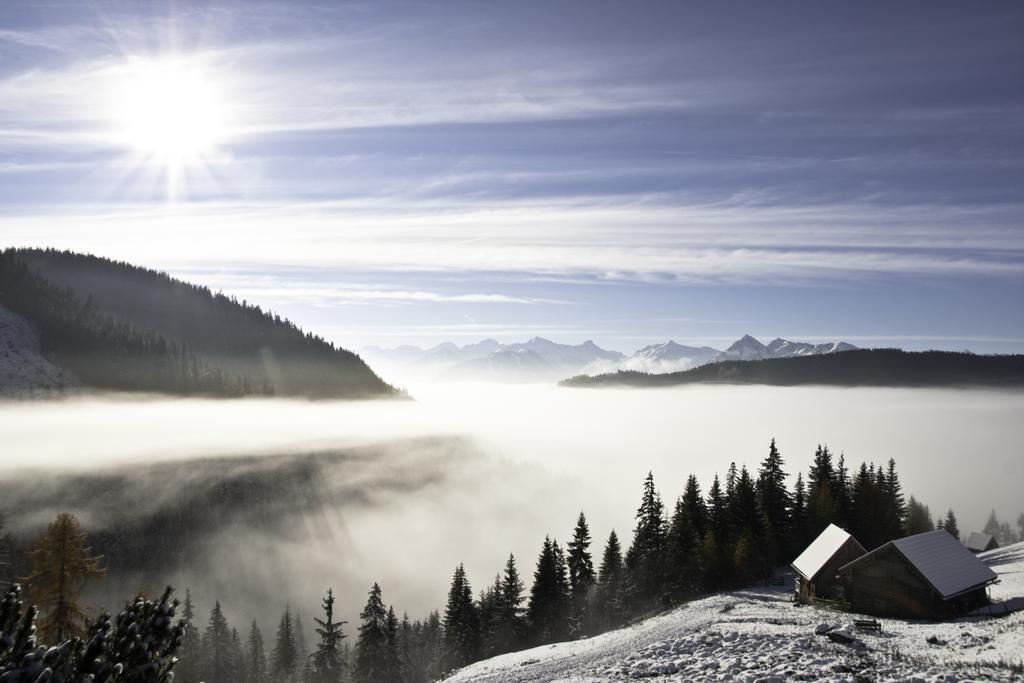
61	564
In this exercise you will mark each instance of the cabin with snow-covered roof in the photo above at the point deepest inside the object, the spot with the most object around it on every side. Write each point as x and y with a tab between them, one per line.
817	565
978	542
929	575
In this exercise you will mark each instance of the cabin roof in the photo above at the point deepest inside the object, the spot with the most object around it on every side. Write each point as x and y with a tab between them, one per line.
821	550
978	541
950	568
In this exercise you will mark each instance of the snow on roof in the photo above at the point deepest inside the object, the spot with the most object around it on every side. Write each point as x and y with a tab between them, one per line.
978	541
949	567
820	551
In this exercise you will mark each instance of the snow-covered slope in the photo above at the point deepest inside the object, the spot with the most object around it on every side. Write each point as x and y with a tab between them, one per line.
23	369
761	635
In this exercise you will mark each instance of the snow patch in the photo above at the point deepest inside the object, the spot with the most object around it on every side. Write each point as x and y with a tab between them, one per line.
24	371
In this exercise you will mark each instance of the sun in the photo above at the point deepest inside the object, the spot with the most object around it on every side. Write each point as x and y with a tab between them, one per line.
168	108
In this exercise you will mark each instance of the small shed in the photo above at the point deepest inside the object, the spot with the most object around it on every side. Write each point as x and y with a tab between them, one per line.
818	563
929	575
978	542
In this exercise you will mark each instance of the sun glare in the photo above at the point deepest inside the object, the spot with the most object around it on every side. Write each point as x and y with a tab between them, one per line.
168	109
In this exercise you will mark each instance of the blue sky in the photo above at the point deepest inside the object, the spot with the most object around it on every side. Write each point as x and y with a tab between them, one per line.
410	172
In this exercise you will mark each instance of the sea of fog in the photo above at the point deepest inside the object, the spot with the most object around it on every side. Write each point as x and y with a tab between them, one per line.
470	472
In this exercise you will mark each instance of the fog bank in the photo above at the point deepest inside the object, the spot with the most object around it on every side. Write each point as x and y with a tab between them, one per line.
470	472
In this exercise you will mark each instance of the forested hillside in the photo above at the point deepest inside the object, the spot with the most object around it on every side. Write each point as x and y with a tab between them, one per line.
861	367
120	327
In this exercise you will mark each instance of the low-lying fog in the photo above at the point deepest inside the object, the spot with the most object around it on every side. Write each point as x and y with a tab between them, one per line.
404	490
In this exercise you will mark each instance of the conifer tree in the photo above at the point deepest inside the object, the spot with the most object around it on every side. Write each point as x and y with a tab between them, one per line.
950	525
581	573
190	656
610	582
918	519
219	660
61	564
393	670
694	503
684	554
547	612
509	627
842	494
774	501
821	501
488	607
798	530
237	658
256	656
302	654
461	623
372	652
895	505
285	663
646	558
716	507
328	665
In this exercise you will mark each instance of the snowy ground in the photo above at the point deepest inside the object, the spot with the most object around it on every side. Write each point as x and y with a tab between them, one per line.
23	369
761	635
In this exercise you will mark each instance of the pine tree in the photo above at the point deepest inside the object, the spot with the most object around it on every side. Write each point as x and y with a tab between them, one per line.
950	525
218	663
694	503
328	665
372	645
685	577
488	607
895	505
646	558
285	659
61	564
774	502
461	623
715	508
393	670
237	658
918	519
581	573
798	536
301	652
821	501
547	612
256	656
509	627
191	655
610	580
842	494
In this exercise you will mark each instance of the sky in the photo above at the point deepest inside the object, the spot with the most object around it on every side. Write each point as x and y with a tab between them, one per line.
412	172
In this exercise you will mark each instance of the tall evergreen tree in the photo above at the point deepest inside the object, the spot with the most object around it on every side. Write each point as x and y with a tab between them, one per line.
950	525
842	494
694	503
918	519
285	663
716	507
581	573
798	536
547	612
61	564
219	662
461	623
895	505
684	554
610	583
820	497
256	656
509	626
328	663
775	502
646	558
190	653
372	651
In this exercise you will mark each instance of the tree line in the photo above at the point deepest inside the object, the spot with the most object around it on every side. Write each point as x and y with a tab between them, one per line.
736	533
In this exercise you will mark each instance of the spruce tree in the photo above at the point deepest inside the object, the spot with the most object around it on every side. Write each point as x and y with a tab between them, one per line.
547	612
285	659
372	652
328	664
393	670
684	554
646	558
821	500
190	656
694	503
918	519
581	574
219	662
774	501
610	582
461	623
509	627
798	528
256	656
895	507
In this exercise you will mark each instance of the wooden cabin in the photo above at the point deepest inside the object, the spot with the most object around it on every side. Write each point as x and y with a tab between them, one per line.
979	543
819	563
929	576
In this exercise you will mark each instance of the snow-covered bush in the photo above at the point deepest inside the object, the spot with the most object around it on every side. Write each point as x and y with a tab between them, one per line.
139	646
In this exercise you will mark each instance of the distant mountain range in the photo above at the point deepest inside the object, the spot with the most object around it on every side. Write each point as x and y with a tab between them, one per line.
71	320
858	367
541	359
